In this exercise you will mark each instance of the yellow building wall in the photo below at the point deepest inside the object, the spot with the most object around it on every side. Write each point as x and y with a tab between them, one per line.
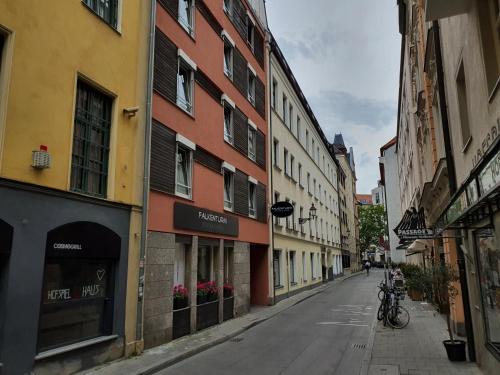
52	44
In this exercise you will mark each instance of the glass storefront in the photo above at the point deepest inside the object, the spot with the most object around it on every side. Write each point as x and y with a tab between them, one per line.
488	263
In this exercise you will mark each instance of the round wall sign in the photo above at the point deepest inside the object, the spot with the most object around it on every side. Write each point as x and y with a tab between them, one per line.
282	209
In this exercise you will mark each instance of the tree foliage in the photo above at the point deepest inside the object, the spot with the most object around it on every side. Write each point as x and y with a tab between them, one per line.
372	225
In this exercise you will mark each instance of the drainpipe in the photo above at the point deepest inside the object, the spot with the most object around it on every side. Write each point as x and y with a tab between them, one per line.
271	148
147	158
452	181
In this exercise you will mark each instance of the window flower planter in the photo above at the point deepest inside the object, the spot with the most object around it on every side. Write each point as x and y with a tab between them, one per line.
181	322
207	315
228	312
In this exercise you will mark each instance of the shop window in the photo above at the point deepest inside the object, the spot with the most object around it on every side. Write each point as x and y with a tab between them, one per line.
228	190
228	265
89	163
180	264
205	263
183	171
277	267
186	15
488	263
106	9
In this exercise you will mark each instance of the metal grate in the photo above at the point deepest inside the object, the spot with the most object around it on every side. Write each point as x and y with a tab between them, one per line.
236	339
359	346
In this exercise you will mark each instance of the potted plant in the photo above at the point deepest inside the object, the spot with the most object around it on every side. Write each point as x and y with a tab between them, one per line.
201	293
211	291
228	291
445	292
180	297
418	283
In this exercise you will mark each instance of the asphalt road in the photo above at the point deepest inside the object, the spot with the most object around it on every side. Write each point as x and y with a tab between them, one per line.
325	334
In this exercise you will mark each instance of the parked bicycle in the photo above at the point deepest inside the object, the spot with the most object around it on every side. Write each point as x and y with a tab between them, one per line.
390	311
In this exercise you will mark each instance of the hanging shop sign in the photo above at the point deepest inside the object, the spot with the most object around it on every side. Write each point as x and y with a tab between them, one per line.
199	219
412	226
6	234
282	209
489	177
83	239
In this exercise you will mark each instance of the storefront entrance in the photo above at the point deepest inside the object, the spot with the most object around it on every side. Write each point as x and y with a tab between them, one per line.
259	275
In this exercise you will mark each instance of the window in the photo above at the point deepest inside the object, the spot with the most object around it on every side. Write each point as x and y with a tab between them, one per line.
299	172
183	171
308	182
251	87
274	93
298	128
228	6
313	155
185	86
290	117
252	200
186	15
377	198
276	199
106	9
228	58
301	213
205	264
307	141
488	266
285	109
228	189
462	105
319	193
288	225
228	123
317	155
304	271
89	164
292	166
251	143
76	301
250	32
313	275
292	268
285	160
228	265
277	267
180	264
314	187
489	23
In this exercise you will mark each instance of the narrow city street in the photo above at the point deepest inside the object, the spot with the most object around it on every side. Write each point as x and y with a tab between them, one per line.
325	334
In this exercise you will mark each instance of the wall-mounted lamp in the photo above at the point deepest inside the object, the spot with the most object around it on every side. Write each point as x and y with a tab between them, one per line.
131	111
312	215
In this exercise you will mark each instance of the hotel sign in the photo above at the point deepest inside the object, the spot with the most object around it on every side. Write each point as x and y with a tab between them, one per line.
412	226
490	175
202	220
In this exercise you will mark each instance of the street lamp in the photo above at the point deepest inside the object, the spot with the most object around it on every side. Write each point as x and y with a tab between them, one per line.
312	215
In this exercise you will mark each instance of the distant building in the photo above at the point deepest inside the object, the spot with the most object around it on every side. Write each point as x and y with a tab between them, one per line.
378	195
364	199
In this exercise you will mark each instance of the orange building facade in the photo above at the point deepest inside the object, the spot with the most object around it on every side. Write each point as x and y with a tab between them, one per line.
208	235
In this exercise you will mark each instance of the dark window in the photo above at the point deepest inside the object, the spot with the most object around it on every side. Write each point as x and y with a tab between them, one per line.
89	167
228	59
251	87
205	263
275	88
76	301
106	9
463	105
276	267
185	86
250	33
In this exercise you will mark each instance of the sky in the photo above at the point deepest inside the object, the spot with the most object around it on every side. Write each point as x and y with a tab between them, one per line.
345	57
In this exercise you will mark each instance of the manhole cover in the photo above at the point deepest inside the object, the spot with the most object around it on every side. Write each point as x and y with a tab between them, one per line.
359	346
236	339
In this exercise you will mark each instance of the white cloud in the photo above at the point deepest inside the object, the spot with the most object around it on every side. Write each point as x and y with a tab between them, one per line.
350	49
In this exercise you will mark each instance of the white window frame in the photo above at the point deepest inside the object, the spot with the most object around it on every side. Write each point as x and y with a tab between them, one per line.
253	199
227	6
186	63
229	43
251	78
185	23
229	105
250	23
252	129
189	148
228	170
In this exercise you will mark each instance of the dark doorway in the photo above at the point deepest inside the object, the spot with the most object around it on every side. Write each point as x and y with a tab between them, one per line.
259	275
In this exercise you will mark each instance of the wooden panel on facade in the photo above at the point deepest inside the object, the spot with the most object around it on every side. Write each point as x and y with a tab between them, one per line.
162	170
240	72
261	203
241	193
171	6
258	48
165	66
208	85
240	128
209	17
207	159
260	97
260	143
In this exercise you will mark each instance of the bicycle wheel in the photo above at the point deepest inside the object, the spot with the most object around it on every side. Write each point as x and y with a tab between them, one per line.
380	312
381	295
398	317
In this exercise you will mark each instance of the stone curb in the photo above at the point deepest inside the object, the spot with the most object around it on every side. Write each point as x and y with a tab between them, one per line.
154	368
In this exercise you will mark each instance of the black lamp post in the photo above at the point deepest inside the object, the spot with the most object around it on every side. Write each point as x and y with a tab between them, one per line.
312	215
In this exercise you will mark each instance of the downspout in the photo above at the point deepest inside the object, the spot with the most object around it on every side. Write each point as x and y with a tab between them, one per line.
271	143
452	181
147	158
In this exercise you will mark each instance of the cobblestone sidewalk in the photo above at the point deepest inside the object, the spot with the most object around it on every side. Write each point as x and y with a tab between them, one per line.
416	349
